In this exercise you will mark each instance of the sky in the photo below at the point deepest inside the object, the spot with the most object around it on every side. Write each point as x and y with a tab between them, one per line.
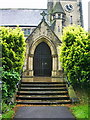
40	4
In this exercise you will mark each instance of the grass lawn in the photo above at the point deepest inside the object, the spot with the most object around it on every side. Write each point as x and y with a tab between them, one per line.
7	111
82	109
8	114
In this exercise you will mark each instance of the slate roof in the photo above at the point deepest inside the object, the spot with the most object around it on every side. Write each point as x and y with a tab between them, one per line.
58	8
26	16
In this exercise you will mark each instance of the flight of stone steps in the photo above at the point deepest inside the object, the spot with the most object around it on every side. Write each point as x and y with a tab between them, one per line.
42	93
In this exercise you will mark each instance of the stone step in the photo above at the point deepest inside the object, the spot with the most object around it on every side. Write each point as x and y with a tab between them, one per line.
43	85
42	89
42	98
43	93
43	102
38	87
43	82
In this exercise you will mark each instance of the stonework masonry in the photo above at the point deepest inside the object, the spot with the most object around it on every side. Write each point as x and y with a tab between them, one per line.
45	28
60	14
42	34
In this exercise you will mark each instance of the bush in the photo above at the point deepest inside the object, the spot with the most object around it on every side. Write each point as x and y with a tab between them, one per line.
7	110
13	54
9	80
13	48
75	54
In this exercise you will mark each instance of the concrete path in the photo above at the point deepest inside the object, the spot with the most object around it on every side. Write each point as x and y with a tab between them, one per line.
44	113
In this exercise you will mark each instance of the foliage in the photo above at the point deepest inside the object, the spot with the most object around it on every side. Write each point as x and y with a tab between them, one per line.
9	80
7	110
13	48
82	92
8	114
13	54
80	111
75	54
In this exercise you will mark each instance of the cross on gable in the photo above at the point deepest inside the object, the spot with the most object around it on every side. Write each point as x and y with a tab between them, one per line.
43	14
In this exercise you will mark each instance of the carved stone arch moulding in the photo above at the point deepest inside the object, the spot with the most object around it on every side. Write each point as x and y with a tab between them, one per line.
31	52
40	39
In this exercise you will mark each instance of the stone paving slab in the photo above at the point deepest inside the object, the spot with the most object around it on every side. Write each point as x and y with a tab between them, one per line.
44	113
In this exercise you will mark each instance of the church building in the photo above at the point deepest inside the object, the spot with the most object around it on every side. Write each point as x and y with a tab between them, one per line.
43	29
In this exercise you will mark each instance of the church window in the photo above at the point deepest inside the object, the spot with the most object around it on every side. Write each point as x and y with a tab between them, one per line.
58	28
59	15
28	31
63	16
71	22
63	23
54	16
25	31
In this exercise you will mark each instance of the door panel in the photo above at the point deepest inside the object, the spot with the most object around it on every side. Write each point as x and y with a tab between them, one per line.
42	60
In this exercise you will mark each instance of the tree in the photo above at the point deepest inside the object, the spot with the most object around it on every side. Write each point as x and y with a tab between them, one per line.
75	54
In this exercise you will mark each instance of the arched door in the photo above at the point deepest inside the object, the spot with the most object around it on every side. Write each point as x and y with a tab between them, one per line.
42	60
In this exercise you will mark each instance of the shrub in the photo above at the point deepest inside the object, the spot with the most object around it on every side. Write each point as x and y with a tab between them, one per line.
13	54
9	80
75	54
13	48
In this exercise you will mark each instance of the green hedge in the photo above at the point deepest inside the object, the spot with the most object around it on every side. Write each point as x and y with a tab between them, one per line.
75	54
13	48
13	55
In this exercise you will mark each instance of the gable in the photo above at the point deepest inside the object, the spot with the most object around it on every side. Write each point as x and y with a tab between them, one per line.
43	30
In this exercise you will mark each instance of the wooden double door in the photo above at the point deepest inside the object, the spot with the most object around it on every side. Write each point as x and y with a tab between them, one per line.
42	60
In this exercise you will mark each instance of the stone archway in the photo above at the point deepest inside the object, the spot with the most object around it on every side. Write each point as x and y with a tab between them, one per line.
35	43
42	63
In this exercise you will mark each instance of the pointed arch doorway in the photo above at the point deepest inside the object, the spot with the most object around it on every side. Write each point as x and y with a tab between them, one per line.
42	60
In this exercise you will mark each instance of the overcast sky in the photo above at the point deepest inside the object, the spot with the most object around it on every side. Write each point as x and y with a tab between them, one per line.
40	4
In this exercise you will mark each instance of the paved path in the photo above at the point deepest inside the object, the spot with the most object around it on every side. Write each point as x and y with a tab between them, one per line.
44	113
